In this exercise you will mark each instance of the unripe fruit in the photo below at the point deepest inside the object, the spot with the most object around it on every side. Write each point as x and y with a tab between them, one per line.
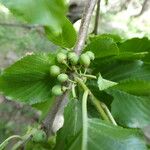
91	55
56	90
85	60
71	54
61	57
62	77
54	70
39	136
73	58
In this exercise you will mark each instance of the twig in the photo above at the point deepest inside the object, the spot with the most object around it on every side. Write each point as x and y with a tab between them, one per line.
84	25
143	8
95	31
49	120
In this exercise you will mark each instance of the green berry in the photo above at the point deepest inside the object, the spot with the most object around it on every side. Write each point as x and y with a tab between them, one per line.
91	55
62	77
71	54
56	90
85	60
54	70
39	136
61	57
73	58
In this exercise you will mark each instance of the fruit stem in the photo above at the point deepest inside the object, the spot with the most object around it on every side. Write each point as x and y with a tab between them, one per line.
76	71
65	63
109	114
85	71
89	76
27	137
84	120
71	81
4	144
73	91
94	100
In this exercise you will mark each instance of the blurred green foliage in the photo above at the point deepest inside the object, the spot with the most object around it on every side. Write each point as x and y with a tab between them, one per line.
21	40
17	41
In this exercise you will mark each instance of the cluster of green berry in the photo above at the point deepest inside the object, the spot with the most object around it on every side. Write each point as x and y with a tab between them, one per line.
72	59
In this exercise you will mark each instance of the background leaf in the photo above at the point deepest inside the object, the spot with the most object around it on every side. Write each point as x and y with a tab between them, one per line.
28	80
48	13
43	12
66	38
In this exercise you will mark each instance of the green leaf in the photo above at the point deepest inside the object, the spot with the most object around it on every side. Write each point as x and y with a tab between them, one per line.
136	46
119	71
115	37
135	87
100	95
66	38
128	56
43	12
28	80
102	47
129	110
101	135
72	125
104	84
106	136
49	13
128	51
133	78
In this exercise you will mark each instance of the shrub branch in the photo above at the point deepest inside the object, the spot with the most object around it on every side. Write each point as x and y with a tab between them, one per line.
89	8
86	18
95	31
